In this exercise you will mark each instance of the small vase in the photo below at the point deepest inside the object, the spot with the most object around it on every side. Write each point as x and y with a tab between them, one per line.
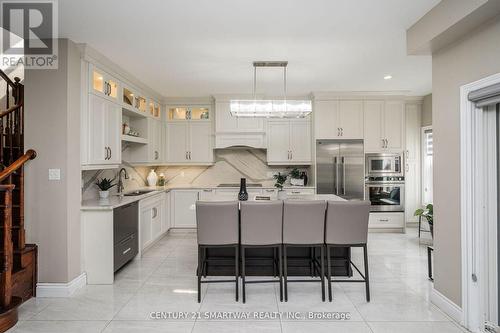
152	178
243	195
103	194
304	176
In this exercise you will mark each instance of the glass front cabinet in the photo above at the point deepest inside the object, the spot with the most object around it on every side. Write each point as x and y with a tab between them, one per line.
154	109
188	113
103	84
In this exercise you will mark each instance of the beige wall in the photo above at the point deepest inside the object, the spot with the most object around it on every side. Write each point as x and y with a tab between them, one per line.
427	110
52	128
475	56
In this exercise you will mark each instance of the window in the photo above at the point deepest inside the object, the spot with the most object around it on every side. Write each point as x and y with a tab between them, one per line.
427	152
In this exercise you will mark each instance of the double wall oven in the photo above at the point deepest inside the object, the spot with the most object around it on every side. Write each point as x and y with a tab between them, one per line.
384	182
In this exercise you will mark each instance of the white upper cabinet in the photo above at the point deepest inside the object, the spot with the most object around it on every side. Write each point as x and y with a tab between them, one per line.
104	140
189	142
351	119
289	142
103	84
334	119
234	131
384	130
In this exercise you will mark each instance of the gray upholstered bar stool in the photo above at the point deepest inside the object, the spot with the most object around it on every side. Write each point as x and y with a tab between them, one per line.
304	226
347	226
217	226
261	226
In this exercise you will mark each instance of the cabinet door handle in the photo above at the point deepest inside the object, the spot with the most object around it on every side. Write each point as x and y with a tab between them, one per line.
208	190
186	155
105	153
295	192
291	155
189	154
338	131
383	220
386	143
155	212
341	131
127	251
270	191
110	152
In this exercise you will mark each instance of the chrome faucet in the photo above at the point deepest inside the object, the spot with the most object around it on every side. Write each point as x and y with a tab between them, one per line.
120	186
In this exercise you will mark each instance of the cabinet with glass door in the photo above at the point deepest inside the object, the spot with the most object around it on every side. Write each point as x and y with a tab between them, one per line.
194	113
103	84
154	109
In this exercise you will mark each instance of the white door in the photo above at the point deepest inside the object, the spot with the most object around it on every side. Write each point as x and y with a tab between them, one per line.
145	226
351	119
184	208
97	135
412	161
156	219
113	128
200	142
155	140
394	125
300	142
326	119
373	119
177	141
278	144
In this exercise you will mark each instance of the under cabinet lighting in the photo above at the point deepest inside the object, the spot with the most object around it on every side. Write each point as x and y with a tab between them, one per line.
387	77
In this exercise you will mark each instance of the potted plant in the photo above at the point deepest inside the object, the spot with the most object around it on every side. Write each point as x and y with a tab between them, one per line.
428	213
280	180
295	178
104	184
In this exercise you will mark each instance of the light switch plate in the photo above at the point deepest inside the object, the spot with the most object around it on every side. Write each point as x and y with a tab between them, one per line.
54	174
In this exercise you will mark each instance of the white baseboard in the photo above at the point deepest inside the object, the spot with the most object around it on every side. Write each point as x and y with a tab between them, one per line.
61	289
446	305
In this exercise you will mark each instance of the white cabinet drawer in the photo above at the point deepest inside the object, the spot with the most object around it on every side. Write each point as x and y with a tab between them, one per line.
299	191
386	220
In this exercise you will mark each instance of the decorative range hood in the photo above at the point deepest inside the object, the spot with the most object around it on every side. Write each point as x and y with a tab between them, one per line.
262	108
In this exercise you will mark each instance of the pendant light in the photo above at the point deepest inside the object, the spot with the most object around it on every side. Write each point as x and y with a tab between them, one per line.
266	108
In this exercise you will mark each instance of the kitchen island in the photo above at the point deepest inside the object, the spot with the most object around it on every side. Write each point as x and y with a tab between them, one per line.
220	261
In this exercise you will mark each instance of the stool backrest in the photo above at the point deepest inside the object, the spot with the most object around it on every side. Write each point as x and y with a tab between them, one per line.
304	222
261	222
217	222
347	222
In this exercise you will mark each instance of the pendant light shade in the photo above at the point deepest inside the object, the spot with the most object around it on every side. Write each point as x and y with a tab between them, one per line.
276	108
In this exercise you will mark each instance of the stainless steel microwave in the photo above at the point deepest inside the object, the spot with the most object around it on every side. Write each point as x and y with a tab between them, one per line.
384	164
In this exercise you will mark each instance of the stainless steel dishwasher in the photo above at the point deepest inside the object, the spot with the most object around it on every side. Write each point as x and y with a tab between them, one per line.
125	234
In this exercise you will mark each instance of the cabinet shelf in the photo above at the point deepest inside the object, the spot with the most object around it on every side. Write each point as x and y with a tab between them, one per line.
134	139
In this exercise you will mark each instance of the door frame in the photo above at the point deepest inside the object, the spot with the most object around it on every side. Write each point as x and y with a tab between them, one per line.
422	160
478	184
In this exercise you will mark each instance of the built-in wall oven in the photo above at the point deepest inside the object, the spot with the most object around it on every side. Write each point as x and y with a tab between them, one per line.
384	165
386	194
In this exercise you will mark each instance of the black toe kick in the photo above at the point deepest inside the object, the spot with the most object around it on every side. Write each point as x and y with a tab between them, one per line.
259	261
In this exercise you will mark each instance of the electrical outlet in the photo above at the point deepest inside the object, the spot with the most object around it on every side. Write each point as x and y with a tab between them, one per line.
54	174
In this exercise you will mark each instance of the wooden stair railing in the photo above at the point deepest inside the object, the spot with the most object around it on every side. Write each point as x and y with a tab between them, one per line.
18	260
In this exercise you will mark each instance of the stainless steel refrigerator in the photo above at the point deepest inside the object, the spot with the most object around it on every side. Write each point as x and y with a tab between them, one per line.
340	168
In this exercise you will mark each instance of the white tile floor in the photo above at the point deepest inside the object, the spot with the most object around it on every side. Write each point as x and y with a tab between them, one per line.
163	280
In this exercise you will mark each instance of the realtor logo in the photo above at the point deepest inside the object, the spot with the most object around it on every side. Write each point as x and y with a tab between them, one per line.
29	34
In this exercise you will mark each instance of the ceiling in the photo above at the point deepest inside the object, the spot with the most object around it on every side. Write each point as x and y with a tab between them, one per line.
199	48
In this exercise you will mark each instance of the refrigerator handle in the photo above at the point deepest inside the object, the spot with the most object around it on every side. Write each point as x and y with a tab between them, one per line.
343	175
335	176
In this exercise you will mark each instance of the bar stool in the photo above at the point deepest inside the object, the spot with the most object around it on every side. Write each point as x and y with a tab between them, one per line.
261	226
217	226
347	226
304	226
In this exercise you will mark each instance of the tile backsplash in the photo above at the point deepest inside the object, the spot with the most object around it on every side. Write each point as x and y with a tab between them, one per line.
230	165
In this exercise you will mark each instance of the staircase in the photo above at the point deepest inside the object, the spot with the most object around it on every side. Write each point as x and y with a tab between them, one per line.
18	261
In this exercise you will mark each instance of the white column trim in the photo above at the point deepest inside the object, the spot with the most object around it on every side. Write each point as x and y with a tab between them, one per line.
473	199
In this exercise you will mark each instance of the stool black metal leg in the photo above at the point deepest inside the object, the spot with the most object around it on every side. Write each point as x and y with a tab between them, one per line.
280	269
311	263
198	271
322	273
204	260
367	279
243	291
285	266
236	269
274	262
329	273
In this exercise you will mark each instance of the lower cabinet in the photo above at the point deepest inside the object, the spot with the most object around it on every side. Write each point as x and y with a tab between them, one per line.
183	203
388	220
151	222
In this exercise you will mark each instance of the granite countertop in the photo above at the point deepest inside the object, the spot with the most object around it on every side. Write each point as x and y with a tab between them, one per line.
115	201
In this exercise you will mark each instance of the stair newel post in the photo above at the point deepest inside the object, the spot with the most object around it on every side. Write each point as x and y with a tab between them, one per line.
6	281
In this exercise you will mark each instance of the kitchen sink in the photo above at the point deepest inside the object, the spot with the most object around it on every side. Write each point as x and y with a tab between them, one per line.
136	193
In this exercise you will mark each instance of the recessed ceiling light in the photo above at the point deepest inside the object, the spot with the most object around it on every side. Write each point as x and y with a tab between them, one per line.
387	77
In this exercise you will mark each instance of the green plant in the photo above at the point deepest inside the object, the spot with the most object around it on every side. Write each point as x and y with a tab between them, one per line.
280	180
295	173
104	184
427	212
